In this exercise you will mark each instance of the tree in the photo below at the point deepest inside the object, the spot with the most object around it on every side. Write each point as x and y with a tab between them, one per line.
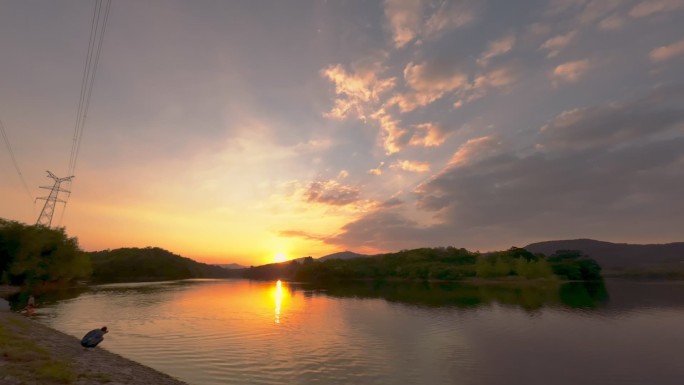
30	255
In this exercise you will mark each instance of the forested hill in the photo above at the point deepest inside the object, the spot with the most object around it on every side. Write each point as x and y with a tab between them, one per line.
617	255
148	264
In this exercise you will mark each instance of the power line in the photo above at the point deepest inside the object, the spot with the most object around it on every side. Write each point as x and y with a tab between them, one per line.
14	161
97	31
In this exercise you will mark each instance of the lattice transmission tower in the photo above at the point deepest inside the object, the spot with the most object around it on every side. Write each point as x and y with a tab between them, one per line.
45	217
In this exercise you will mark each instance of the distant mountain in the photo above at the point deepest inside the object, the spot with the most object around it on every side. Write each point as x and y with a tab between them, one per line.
617	255
343	255
231	266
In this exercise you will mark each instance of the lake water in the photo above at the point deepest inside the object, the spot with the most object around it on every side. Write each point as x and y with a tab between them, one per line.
208	332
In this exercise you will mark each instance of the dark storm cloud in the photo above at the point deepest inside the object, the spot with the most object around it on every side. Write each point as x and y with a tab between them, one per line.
608	171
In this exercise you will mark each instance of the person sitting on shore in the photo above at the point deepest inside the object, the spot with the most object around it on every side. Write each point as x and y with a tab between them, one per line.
94	337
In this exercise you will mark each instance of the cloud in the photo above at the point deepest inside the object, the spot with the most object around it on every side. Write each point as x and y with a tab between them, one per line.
299	234
651	7
667	52
617	123
451	15
331	192
497	78
391	134
597	9
429	81
570	72
557	7
356	91
473	149
428	135
555	44
411	166
359	96
612	23
380	230
405	18
611	171
497	48
377	170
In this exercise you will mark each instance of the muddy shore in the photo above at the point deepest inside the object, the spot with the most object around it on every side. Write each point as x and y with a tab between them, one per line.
34	354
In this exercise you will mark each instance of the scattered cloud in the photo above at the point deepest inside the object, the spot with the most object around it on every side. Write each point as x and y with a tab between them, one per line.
331	192
391	134
451	15
405	19
667	52
356	91
428	135
429	81
473	149
612	23
299	234
377	170
596	9
497	48
570	72
412	166
557	7
595	171
556	44
651	7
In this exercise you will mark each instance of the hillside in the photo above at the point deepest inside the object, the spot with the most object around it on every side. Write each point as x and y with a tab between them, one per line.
343	255
148	264
617	255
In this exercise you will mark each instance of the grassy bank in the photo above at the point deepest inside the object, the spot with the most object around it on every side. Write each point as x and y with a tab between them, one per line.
31	353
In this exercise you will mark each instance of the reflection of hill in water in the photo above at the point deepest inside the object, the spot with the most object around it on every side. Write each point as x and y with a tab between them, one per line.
528	297
628	295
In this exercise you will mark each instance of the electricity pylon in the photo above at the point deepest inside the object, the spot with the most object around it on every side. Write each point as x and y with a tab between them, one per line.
45	217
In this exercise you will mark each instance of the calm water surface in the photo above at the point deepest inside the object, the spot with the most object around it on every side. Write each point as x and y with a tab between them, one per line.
209	332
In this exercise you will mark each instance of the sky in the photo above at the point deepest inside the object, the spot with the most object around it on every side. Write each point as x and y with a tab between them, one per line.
248	131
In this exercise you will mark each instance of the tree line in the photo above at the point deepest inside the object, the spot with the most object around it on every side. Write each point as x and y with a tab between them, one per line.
32	255
436	264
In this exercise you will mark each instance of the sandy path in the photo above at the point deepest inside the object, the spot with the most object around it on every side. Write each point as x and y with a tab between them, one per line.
95	366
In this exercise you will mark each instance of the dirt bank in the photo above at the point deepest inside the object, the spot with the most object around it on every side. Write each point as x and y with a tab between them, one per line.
33	354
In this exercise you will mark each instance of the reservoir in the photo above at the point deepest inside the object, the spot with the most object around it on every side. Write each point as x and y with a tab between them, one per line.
210	332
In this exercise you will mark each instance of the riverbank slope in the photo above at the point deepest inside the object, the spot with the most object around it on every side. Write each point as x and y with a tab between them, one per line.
31	353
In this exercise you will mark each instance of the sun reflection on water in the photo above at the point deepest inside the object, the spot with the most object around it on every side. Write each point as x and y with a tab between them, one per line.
278	300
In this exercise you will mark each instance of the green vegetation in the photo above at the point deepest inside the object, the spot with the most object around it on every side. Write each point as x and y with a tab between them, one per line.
31	255
437	264
148	264
34	255
20	354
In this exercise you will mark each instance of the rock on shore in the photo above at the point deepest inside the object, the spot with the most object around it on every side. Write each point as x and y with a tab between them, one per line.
31	353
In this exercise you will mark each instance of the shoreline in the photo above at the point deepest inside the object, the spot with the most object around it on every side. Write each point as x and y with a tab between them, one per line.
32	353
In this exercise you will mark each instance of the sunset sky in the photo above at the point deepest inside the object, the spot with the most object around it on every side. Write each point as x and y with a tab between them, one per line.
234	131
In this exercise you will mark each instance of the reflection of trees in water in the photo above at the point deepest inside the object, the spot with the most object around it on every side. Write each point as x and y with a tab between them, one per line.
528	297
19	300
149	292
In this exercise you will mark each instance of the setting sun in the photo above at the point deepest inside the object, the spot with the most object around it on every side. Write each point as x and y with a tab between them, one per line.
280	257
